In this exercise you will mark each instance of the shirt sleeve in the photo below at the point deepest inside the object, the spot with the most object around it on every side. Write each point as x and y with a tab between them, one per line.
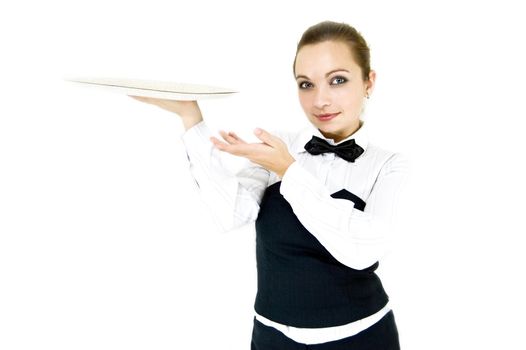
232	199
355	238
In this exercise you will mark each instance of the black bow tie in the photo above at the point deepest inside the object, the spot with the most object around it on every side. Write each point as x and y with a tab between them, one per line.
348	150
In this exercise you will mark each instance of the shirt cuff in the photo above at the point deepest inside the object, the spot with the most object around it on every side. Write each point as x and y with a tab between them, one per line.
195	133
294	181
197	141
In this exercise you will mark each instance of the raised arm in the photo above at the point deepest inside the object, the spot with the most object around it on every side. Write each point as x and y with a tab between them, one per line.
232	199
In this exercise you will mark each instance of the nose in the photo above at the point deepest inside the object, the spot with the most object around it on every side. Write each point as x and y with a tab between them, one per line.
321	98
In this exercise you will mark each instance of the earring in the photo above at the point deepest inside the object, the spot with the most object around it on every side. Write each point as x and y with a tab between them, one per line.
367	94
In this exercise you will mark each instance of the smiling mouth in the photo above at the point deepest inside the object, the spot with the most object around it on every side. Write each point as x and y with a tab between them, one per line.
324	117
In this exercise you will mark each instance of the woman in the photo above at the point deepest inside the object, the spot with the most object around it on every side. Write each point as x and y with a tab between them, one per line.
322	199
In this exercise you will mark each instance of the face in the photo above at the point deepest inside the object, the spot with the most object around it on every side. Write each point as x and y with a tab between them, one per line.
330	82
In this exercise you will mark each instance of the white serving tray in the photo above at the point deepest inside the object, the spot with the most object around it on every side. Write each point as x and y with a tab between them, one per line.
155	88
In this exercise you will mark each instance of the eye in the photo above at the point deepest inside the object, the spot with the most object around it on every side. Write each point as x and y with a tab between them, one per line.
342	79
301	86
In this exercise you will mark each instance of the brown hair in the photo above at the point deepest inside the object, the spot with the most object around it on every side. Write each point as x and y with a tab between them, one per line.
329	30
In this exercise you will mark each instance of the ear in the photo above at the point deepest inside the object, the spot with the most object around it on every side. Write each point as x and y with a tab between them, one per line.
369	84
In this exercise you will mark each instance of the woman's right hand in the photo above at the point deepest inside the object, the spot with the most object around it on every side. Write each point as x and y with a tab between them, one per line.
189	111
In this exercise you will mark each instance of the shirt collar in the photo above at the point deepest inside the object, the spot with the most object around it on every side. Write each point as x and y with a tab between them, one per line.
359	136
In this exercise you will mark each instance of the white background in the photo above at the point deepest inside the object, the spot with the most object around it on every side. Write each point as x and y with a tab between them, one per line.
103	241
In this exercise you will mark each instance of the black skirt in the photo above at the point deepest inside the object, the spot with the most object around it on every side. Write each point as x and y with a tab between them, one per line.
383	335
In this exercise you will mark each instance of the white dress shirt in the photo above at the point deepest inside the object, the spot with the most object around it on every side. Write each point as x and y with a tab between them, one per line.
355	238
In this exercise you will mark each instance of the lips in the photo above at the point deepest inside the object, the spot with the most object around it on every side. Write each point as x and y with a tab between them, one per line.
327	116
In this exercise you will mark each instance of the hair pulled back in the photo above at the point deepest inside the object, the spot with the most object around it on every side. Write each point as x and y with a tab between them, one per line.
335	31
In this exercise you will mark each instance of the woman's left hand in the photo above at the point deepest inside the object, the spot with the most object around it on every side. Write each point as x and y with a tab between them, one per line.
272	154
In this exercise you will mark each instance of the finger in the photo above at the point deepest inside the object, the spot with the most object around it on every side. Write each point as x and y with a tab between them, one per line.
231	137
240	149
267	137
140	98
228	137
222	146
226	147
233	134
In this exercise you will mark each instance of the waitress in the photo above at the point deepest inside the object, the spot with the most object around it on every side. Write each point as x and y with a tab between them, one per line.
323	200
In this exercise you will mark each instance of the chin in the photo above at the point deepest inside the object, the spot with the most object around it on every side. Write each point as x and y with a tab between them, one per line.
326	126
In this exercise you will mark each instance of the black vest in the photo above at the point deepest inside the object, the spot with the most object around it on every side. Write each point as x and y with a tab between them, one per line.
300	283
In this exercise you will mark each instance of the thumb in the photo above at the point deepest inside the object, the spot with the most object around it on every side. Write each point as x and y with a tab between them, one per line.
266	137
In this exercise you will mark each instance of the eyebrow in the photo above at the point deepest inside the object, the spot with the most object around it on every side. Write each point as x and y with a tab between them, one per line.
326	75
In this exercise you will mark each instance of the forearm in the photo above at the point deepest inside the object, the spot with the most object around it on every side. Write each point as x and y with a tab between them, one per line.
354	237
